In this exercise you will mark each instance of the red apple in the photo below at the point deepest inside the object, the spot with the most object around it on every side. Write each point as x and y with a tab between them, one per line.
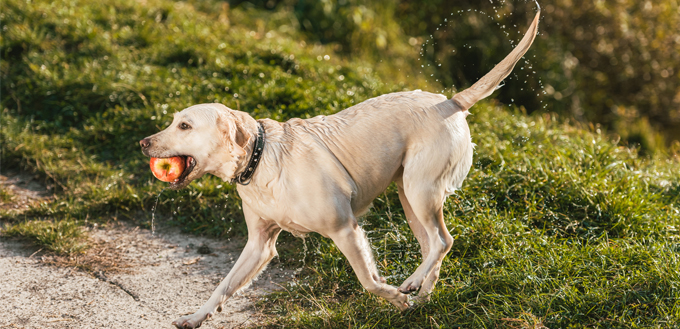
167	169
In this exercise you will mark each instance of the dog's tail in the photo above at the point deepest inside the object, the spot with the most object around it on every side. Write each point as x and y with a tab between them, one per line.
488	83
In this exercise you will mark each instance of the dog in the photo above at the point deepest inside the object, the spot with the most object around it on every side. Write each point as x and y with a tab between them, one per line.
321	174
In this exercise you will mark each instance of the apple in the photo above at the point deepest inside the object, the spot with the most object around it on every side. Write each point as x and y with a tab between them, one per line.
167	169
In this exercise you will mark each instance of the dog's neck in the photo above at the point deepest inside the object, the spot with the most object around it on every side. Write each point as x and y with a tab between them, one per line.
230	164
246	175
251	126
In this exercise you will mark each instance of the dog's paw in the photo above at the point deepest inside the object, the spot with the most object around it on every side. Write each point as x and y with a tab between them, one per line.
191	321
410	285
402	302
421	298
409	289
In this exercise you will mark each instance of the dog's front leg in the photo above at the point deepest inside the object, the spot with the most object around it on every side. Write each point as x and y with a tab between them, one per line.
259	250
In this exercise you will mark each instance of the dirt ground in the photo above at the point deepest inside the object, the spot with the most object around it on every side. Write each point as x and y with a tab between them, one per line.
128	278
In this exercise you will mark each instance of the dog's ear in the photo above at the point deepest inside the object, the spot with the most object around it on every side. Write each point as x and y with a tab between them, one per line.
235	133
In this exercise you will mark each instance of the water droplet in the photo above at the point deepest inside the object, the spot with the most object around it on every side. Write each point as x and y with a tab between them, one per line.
153	211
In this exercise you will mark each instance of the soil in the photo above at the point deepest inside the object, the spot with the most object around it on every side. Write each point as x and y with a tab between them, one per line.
128	277
24	188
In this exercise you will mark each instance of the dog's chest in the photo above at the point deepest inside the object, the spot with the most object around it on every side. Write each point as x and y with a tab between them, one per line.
268	207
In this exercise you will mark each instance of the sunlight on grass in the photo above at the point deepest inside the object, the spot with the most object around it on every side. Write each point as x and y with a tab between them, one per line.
557	225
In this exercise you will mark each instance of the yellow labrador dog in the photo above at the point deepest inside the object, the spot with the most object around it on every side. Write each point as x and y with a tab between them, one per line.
320	174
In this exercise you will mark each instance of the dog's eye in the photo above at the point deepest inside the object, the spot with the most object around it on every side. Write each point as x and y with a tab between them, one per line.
184	126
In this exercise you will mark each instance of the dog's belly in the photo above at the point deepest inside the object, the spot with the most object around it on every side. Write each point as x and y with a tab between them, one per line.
293	228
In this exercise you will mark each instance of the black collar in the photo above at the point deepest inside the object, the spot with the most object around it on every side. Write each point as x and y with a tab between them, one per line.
244	177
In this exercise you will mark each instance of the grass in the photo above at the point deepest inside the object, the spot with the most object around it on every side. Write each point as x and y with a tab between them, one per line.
60	236
557	225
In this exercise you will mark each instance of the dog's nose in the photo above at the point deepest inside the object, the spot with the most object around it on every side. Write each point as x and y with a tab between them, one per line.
144	143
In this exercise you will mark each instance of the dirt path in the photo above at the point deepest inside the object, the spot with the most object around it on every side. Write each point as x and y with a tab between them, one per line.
129	278
164	277
24	189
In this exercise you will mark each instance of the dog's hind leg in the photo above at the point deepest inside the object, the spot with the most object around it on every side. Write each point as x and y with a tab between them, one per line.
413	221
352	242
423	239
427	206
259	250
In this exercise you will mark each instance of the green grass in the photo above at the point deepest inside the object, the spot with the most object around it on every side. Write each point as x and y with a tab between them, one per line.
556	225
61	236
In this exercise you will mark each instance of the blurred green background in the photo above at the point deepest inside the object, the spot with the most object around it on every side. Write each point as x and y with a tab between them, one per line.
609	62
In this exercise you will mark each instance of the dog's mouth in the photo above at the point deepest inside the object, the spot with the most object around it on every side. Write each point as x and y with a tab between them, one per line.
181	181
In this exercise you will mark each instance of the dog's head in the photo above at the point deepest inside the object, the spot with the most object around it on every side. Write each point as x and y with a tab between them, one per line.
211	138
